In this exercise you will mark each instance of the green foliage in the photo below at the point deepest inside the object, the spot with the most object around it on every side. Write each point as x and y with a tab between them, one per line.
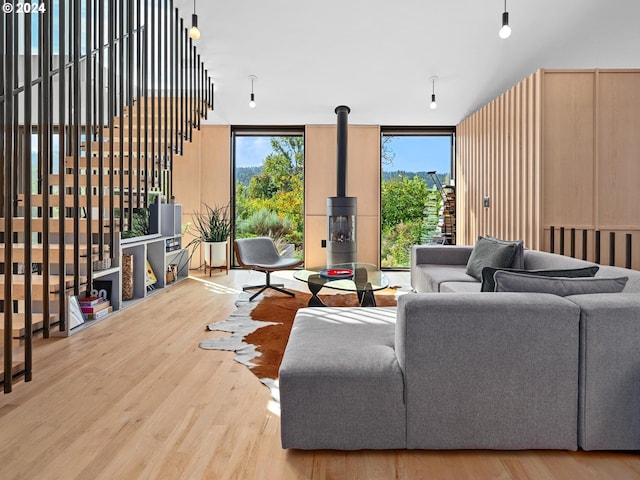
410	216
273	199
264	223
403	201
397	243
139	224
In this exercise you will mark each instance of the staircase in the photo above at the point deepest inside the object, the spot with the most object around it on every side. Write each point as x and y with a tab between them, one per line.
76	217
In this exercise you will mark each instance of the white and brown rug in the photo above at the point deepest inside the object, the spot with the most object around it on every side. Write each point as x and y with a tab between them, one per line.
260	329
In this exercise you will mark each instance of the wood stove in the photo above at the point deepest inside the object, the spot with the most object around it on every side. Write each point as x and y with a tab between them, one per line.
341	210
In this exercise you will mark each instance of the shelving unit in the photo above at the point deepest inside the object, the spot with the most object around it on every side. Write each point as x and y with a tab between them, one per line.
162	249
449	214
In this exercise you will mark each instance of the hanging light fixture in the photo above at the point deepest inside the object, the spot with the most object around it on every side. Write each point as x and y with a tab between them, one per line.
433	105
194	33
505	31
252	99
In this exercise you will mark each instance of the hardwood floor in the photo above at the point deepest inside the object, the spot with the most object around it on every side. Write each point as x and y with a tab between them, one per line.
135	397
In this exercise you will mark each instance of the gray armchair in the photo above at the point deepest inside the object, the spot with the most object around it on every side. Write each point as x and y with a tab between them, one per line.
260	254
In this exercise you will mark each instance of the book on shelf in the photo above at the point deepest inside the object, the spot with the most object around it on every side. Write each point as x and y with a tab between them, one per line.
90	301
150	276
97	307
98	314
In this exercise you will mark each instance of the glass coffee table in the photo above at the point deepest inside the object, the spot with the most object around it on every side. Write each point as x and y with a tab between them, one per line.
360	278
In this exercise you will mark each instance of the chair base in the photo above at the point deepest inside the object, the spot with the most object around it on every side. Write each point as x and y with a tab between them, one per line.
273	286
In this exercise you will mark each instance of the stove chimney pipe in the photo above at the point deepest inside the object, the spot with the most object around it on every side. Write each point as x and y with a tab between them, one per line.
343	113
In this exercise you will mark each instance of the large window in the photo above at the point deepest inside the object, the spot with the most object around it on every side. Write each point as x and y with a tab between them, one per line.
269	186
415	164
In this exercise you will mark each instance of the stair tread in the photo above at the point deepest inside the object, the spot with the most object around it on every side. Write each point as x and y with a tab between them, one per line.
38	280
37	321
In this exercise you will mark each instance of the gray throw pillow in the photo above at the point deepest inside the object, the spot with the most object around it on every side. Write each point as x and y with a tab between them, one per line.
518	257
488	284
519	282
488	252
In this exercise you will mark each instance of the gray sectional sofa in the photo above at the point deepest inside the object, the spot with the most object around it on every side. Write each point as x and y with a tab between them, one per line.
467	369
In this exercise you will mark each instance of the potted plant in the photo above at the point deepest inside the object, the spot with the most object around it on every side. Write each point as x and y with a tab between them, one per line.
211	228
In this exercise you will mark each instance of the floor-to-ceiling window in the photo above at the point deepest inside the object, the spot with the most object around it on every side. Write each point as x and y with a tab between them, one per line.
416	163
268	178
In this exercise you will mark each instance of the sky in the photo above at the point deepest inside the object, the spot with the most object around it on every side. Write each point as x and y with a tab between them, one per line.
420	153
412	153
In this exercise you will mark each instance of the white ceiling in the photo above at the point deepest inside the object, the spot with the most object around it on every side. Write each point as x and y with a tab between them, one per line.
377	56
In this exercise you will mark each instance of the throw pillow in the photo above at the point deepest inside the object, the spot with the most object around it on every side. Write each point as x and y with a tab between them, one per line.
488	284
519	282
489	253
518	258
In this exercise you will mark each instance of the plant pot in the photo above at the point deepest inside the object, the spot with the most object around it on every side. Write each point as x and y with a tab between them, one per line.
215	254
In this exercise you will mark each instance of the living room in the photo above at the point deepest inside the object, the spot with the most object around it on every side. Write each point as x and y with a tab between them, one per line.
545	124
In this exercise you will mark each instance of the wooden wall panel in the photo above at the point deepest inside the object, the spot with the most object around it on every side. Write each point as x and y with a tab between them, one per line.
568	148
364	169
315	227
559	149
202	174
320	183
215	151
618	149
186	176
497	157
320	168
363	182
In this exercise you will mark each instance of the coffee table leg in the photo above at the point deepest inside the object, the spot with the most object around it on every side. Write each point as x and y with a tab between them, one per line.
366	296
315	285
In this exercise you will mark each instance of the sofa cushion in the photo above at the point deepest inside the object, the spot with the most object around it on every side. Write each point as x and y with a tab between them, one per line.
489	252
488	284
341	386
633	284
519	282
518	257
609	364
435	275
460	287
489	370
537	260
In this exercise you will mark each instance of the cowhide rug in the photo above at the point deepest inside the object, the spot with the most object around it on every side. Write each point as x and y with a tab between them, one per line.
260	329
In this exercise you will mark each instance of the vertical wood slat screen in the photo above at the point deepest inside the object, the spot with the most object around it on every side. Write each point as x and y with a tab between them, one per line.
558	149
498	155
64	98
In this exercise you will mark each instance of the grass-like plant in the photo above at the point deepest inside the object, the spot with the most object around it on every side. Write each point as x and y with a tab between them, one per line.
210	225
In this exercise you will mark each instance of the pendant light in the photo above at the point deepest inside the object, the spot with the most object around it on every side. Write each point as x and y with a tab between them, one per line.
505	31
252	98
433	105
194	33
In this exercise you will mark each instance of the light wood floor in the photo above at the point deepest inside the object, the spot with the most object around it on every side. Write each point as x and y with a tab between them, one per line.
134	397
